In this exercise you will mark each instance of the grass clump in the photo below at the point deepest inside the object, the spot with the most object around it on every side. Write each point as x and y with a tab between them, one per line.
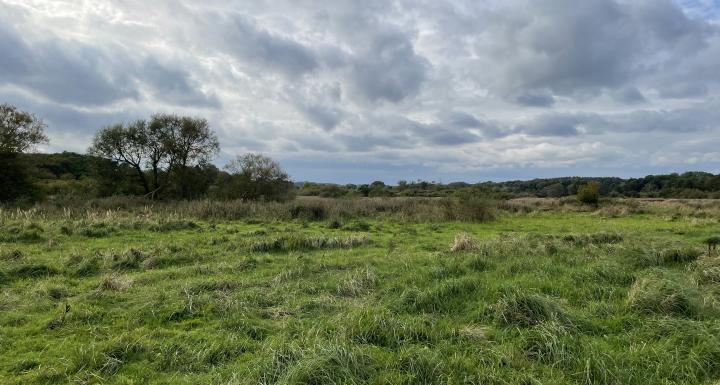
115	282
358	284
680	255
303	242
708	270
551	343
526	309
665	294
464	242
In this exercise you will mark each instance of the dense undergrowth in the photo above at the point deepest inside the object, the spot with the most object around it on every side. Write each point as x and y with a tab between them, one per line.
550	293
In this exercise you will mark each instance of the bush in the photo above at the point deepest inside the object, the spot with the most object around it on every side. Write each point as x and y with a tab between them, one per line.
589	193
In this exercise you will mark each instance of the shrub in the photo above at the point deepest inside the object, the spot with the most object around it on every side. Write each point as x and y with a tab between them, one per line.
658	293
589	193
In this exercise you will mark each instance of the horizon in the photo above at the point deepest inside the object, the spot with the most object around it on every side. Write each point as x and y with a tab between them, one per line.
450	91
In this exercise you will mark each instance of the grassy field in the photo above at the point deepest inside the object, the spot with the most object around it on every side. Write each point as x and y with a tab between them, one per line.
551	296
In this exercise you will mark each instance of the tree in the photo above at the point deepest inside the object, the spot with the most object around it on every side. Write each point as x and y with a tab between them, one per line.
124	144
167	149
589	193
20	131
256	177
187	142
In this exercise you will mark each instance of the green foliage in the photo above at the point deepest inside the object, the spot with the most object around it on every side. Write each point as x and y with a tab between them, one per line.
589	193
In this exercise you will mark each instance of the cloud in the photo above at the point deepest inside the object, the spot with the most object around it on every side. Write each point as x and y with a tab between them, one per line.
460	89
389	69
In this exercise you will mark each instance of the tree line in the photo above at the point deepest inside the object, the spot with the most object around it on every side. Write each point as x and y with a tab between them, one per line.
164	157
689	185
170	157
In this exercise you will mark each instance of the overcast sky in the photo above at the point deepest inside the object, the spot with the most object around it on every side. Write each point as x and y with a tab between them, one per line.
355	91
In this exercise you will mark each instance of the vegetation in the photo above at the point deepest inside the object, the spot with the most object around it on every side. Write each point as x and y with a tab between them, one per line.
374	290
19	132
589	193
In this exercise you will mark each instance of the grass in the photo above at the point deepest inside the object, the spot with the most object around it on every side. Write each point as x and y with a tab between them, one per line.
544	293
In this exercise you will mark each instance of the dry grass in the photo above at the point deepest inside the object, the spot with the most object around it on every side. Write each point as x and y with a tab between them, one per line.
464	242
114	282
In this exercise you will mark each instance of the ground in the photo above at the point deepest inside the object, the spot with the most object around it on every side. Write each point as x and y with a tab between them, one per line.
543	297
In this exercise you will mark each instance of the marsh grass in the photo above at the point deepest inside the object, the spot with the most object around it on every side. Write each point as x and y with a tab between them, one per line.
393	292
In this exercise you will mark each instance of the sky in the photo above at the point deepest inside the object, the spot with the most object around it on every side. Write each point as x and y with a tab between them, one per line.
350	91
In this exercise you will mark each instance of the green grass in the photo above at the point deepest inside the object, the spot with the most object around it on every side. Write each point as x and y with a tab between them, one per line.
543	297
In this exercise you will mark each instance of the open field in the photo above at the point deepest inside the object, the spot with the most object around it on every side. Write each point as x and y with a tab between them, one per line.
547	292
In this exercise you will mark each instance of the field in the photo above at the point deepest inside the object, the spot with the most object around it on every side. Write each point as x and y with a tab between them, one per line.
544	293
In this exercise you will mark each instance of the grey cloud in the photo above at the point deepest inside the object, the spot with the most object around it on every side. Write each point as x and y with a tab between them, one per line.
704	119
579	50
250	43
174	85
59	70
389	69
535	99
325	117
629	95
682	90
72	72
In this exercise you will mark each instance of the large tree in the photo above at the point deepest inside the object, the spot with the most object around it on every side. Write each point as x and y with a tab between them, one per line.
188	142
168	148
20	131
124	144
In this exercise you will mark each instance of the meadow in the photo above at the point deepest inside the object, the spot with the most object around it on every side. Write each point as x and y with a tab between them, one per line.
374	291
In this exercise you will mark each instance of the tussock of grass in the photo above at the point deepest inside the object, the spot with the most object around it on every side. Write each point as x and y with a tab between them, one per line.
81	266
381	327
526	309
358	284
680	255
14	255
440	297
552	344
594	239
464	242
115	282
173	225
300	242
31	271
708	270
660	293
